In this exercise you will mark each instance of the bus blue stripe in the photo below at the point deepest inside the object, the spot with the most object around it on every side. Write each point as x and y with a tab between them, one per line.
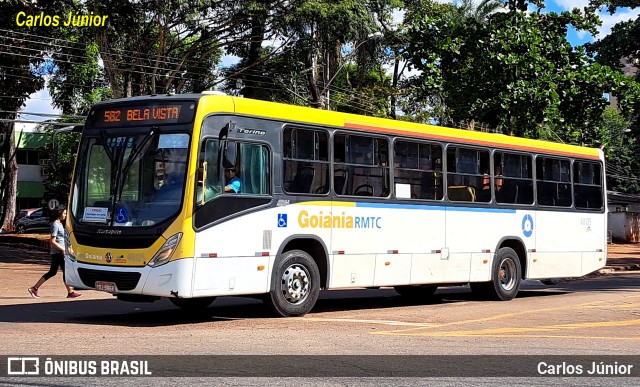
434	207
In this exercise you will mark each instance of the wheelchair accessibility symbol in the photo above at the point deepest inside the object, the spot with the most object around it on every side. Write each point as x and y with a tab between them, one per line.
527	225
282	220
121	216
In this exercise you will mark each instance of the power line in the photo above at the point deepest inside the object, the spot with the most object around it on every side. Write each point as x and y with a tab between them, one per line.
55	43
41	114
361	97
79	63
364	103
119	62
41	122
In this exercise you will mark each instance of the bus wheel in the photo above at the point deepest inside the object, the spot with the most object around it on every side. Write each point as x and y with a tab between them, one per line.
295	285
505	277
192	304
417	291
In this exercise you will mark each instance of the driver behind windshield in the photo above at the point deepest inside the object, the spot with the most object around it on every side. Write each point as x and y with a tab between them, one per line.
171	183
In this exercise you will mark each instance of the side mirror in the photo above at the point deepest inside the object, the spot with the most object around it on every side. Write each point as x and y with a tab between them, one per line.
230	154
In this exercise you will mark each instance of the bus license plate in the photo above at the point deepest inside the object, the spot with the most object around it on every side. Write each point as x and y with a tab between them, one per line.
104	286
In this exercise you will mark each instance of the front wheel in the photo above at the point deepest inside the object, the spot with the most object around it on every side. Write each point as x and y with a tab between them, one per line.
295	285
506	274
20	229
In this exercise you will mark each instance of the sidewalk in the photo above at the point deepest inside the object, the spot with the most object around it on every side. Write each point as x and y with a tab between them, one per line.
34	248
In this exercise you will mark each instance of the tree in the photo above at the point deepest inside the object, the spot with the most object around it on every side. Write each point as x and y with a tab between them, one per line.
17	82
320	29
146	47
622	44
62	151
620	149
517	72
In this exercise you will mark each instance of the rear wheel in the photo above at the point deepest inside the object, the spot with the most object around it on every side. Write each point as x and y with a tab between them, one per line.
295	285
506	275
416	291
192	304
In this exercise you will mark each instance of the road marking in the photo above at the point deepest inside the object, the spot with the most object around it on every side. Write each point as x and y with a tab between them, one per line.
526	332
496	317
358	321
515	331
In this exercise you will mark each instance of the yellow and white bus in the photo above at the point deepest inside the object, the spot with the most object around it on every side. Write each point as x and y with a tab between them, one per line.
326	200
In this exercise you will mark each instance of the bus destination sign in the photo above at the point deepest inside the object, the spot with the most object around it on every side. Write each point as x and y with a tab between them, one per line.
144	115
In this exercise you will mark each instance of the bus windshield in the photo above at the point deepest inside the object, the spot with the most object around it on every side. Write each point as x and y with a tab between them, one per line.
130	180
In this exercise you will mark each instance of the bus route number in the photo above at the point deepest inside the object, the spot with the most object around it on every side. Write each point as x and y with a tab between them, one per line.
112	115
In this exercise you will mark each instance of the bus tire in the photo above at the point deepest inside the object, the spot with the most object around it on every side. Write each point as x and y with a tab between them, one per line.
416	291
506	274
295	285
192	304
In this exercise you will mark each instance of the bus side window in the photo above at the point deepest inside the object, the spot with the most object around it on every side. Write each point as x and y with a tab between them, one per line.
587	185
306	161
553	182
255	168
512	178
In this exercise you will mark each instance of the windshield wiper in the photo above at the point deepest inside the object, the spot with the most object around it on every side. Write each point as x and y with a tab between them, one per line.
133	155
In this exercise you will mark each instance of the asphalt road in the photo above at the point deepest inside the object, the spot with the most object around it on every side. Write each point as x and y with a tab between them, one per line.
597	316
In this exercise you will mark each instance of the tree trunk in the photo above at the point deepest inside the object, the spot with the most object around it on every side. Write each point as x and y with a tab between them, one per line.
255	47
9	181
394	88
312	78
109	67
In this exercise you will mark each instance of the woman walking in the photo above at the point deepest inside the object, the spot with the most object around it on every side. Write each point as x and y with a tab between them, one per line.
57	252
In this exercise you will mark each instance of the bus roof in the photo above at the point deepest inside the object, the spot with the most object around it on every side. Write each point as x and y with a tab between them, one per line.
299	114
302	114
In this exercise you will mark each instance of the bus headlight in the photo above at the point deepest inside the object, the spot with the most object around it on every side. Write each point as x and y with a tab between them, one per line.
166	251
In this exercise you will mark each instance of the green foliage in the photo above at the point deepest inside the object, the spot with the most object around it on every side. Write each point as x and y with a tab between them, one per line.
359	93
515	72
62	150
146	47
621	148
319	30
620	45
17	82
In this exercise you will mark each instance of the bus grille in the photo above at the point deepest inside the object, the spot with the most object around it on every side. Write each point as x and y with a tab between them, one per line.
124	281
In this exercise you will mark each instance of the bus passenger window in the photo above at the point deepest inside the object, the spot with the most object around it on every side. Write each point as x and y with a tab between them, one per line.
306	161
366	166
467	172
513	179
553	182
419	166
587	185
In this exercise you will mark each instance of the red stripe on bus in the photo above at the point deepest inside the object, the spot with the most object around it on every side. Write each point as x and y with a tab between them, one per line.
466	140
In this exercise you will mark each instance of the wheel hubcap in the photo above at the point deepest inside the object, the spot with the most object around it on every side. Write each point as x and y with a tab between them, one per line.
295	284
507	274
